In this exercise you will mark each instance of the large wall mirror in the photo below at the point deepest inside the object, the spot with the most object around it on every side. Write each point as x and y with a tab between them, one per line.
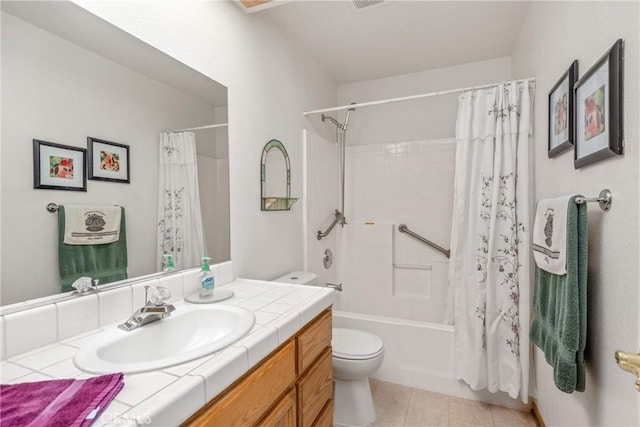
68	75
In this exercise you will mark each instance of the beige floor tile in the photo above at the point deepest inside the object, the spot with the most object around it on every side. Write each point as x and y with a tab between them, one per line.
391	402
372	384
427	409
503	417
419	417
428	401
464	413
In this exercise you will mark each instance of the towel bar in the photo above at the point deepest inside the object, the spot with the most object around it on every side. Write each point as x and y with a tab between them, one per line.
53	207
603	199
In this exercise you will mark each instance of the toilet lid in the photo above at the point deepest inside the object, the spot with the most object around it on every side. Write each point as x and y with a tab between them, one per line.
355	344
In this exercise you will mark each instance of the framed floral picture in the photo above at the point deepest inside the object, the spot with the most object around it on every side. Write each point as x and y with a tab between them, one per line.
58	167
598	117
108	161
561	99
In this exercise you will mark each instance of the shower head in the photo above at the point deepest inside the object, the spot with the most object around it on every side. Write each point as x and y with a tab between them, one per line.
346	118
341	126
334	121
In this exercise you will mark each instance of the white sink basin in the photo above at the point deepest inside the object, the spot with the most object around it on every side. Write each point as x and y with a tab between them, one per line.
189	333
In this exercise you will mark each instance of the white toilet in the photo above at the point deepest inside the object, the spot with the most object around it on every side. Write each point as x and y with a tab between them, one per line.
356	355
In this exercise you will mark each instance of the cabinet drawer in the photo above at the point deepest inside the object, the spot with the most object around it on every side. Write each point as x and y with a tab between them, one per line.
313	340
315	389
283	414
325	419
249	399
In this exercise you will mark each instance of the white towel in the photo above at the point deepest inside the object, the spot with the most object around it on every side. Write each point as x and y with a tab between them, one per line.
550	235
91	225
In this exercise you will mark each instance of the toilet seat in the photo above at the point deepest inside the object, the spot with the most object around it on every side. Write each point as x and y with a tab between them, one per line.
354	344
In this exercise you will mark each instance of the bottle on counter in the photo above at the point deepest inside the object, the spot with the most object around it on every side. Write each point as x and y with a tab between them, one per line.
207	281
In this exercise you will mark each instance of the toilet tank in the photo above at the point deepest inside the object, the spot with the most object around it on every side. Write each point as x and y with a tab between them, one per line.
298	278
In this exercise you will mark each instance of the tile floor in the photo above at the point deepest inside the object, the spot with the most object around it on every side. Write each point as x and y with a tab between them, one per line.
398	406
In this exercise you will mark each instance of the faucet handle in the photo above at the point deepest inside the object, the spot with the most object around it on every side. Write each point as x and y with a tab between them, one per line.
158	295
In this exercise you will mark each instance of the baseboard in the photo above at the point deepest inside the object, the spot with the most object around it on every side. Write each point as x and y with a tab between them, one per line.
537	415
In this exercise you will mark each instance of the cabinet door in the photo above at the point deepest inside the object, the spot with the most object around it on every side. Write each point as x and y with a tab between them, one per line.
315	389
249	399
284	413
325	419
313	340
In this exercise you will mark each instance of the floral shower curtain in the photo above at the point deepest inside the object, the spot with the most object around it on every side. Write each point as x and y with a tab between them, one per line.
179	217
490	272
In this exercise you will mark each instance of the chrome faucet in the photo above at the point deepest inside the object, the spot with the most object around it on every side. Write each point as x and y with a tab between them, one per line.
153	310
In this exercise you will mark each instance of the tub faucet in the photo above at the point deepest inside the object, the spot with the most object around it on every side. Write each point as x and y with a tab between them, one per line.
153	310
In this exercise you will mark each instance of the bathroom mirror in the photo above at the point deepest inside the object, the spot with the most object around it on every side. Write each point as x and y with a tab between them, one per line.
68	75
275	178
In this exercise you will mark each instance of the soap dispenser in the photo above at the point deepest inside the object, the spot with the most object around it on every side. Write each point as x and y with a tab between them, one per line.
168	263
207	280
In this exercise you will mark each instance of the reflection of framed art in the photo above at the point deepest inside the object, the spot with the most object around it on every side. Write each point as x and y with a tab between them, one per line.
561	135
598	113
108	161
58	167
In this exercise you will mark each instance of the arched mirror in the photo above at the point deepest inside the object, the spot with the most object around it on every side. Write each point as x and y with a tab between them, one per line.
275	177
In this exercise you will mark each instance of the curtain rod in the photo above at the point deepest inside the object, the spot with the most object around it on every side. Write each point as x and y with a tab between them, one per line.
412	97
199	128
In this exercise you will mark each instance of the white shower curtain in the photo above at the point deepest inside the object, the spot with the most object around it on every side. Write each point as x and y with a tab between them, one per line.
490	272
179	217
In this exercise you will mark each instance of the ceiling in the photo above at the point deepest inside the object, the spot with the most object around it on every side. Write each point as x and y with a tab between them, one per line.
399	37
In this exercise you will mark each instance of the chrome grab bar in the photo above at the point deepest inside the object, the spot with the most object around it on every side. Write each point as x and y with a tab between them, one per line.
403	229
321	234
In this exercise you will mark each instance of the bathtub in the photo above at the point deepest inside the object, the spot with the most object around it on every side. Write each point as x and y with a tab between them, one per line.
419	355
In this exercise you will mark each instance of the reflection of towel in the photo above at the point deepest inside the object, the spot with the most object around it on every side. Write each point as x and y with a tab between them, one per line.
105	262
550	235
559	326
91	225
66	402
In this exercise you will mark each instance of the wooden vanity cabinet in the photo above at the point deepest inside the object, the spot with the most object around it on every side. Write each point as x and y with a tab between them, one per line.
293	386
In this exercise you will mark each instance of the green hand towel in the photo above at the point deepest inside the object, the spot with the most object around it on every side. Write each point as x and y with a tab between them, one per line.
559	326
105	262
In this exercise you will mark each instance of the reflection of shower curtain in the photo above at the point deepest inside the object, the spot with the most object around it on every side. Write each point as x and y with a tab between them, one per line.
179	218
489	273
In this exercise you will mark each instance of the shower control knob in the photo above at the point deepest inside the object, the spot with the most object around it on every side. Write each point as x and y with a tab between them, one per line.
327	258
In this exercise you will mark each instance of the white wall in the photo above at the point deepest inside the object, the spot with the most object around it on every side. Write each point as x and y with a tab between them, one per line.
56	91
271	81
321	198
553	35
390	184
428	118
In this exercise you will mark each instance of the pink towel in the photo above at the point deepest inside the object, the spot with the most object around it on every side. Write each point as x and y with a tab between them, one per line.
65	402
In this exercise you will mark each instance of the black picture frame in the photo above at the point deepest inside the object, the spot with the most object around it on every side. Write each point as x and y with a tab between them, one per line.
100	163
561	106
58	167
598	117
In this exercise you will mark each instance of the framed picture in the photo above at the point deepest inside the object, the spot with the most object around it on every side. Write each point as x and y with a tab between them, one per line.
561	134
598	114
108	161
58	167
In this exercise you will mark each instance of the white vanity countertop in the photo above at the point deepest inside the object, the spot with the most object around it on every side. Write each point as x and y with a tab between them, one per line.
169	396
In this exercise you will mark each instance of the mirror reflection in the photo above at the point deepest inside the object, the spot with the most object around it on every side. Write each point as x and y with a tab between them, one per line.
62	83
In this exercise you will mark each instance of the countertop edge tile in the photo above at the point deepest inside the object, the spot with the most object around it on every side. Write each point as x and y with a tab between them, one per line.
168	406
222	370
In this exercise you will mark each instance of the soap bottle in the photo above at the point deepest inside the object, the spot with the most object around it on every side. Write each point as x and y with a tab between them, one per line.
207	280
168	263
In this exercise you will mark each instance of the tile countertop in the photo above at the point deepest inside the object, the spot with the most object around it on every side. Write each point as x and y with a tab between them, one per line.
169	396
